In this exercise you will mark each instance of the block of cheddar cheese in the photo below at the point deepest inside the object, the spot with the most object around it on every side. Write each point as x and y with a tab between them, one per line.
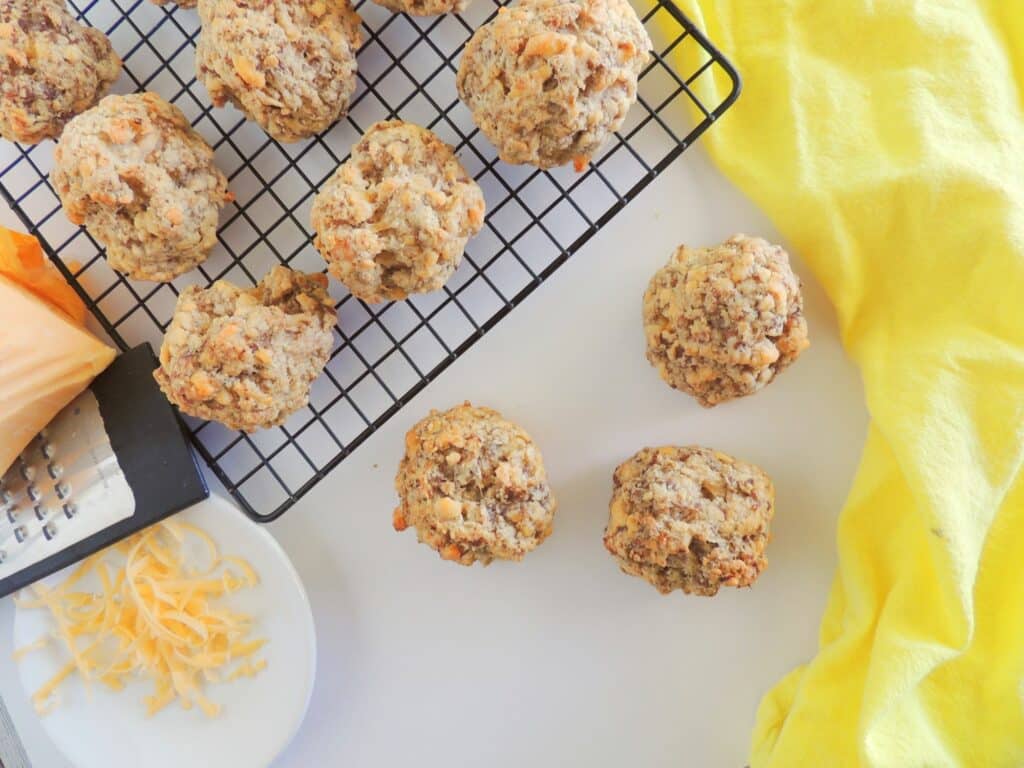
46	360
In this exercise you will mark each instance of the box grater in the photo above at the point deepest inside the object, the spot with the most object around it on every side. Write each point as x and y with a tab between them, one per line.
112	462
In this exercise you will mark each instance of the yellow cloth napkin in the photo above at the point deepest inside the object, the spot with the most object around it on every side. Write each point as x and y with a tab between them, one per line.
885	139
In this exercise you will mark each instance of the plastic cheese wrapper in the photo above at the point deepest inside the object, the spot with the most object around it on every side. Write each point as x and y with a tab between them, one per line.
23	261
46	357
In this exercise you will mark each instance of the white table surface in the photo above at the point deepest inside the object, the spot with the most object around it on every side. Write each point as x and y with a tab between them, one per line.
561	660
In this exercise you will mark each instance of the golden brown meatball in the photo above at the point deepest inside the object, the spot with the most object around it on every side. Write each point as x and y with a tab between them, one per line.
690	518
722	322
548	81
246	357
143	182
473	486
395	217
51	68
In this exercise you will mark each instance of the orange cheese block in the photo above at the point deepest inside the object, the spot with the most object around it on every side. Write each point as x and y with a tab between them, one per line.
22	259
46	359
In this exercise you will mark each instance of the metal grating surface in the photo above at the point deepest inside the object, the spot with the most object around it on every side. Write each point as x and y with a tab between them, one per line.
384	354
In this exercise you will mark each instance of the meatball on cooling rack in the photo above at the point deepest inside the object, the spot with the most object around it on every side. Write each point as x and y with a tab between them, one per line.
51	68
548	81
143	182
246	357
395	217
289	65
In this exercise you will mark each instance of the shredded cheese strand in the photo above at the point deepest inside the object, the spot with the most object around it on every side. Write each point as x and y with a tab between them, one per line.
37	645
155	617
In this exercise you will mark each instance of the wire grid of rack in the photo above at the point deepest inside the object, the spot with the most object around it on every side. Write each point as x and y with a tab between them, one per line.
383	354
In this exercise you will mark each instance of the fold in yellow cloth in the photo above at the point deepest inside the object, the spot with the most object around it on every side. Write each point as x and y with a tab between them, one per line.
885	138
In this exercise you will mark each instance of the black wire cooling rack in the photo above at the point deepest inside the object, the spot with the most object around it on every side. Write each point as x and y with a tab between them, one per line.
383	354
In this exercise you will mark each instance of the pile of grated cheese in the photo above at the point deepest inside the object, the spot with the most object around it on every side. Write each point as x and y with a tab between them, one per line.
156	617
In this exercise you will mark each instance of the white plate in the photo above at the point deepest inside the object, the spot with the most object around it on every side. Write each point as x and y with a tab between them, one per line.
97	728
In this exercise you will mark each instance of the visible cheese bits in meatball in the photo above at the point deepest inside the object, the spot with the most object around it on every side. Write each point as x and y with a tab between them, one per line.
722	322
51	68
289	65
395	217
425	7
246	357
690	518
547	81
143	182
473	486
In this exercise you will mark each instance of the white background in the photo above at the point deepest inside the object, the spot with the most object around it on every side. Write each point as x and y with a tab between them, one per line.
562	660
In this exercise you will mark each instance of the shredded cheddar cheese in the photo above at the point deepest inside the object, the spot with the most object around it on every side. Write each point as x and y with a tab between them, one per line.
155	616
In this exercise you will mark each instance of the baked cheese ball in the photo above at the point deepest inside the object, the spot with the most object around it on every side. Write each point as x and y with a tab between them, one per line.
395	217
143	182
425	7
722	322
473	486
289	65
51	68
690	518
548	81
246	357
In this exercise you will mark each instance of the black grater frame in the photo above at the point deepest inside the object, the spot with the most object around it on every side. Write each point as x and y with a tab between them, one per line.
217	450
163	481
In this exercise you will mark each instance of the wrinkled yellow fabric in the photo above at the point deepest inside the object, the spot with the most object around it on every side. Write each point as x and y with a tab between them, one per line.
885	139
